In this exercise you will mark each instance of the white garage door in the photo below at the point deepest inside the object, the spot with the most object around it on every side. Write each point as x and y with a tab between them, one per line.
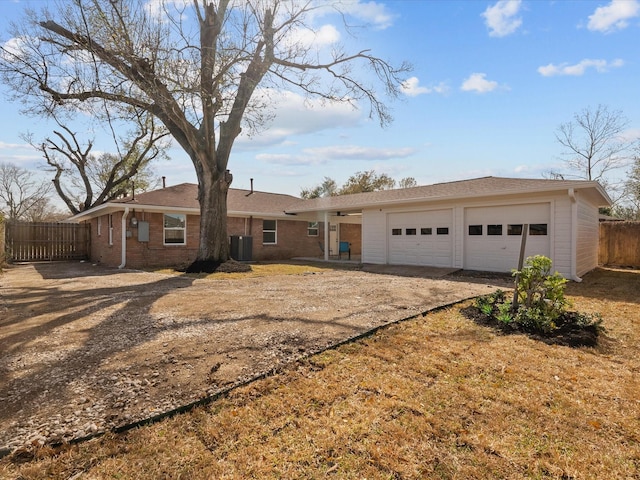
493	235
421	238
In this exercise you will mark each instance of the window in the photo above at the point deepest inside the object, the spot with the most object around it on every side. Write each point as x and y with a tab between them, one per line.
475	229
396	231
426	231
442	230
494	229
269	229
514	229
410	231
110	229
538	229
175	225
312	229
99	226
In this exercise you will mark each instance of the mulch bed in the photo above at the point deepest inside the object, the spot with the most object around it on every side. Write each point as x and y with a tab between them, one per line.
568	332
208	266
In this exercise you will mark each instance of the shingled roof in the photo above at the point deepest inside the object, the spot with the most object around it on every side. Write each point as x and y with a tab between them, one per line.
474	188
239	201
245	202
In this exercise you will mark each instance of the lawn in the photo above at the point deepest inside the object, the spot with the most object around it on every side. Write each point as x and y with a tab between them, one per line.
434	397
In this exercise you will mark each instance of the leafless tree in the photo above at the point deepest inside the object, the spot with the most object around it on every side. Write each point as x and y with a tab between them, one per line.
21	193
44	211
594	145
84	179
630	207
197	68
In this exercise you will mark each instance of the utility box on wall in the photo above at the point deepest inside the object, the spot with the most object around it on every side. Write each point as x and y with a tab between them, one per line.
241	248
143	231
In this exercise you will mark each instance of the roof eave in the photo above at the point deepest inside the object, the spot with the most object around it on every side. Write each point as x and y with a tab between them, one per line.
407	201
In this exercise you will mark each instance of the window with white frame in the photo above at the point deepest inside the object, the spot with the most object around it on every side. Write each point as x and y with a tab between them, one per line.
269	232
111	229
312	229
175	229
99	226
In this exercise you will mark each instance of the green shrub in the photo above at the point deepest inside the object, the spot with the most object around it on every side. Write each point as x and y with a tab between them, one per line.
540	299
505	315
539	304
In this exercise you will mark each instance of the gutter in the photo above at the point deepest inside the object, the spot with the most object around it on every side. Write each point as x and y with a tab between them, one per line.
124	238
574	235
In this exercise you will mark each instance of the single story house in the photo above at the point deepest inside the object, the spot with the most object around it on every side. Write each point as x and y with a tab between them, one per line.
475	224
161	227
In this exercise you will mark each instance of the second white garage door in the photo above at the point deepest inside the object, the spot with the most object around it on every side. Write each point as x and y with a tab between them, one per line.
421	238
493	235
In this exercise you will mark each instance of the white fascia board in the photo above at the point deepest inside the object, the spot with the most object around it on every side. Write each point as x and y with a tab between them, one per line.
578	185
233	213
120	207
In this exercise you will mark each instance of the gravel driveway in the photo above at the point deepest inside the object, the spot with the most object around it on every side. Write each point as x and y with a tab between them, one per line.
85	349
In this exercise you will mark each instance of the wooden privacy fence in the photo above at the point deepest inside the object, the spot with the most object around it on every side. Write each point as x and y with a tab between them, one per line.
620	244
36	241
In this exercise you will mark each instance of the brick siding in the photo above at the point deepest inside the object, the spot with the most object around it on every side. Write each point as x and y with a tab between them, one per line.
292	241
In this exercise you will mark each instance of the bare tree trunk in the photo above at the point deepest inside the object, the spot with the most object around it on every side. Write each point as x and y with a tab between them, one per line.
214	241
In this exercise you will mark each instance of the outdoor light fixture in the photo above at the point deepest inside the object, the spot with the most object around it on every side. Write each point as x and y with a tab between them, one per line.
134	221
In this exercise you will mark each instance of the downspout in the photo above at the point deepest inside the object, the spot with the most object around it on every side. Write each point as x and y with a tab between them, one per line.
574	235
124	238
326	236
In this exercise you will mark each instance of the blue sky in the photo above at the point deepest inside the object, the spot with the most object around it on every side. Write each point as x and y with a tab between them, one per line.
491	83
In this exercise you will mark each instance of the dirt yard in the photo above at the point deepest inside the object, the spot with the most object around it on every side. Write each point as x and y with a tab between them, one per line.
85	349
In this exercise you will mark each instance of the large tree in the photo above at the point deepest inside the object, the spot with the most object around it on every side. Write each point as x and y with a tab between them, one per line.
196	68
84	179
594	145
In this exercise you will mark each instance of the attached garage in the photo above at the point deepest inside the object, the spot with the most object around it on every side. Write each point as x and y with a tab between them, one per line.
493	235
421	238
475	224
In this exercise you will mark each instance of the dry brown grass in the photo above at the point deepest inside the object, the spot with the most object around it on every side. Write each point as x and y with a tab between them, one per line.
433	397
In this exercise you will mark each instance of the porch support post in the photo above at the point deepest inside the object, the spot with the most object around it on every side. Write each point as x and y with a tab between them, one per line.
326	236
123	242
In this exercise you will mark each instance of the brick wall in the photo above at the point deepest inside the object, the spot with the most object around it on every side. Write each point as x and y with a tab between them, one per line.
292	241
352	233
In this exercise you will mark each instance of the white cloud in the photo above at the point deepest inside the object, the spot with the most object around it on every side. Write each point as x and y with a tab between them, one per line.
412	88
13	146
297	115
325	155
372	12
325	35
614	16
630	135
502	19
287	159
356	152
478	83
579	68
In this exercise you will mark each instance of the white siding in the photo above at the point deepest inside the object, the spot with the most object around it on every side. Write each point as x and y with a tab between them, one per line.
500	252
458	237
588	237
375	229
562	251
374	237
